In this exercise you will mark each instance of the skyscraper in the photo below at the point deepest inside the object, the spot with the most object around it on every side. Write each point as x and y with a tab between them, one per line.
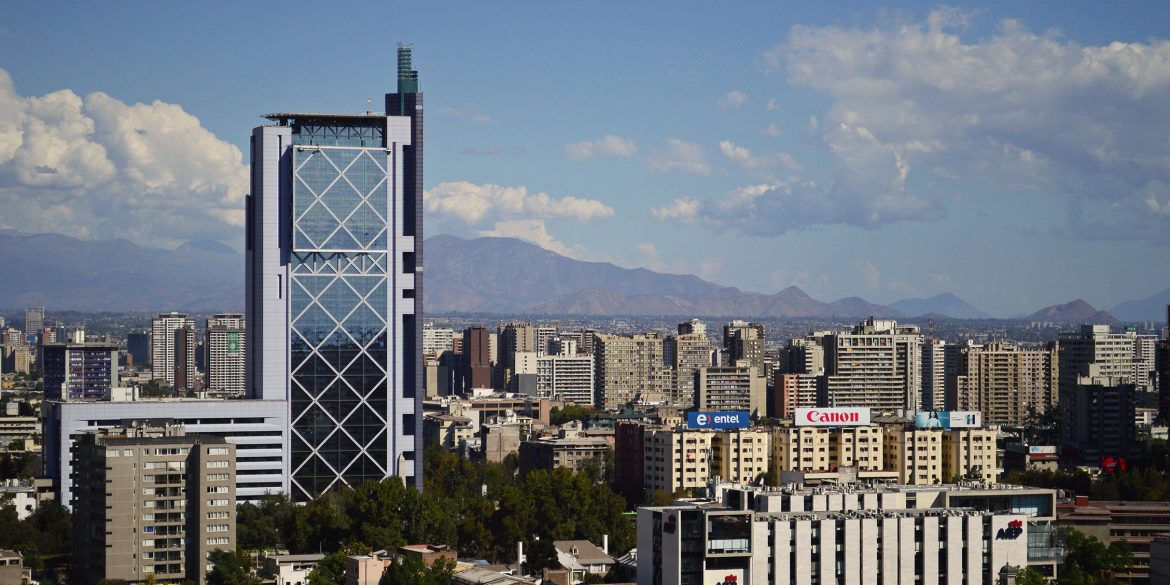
334	250
162	349
80	371
34	320
225	342
877	364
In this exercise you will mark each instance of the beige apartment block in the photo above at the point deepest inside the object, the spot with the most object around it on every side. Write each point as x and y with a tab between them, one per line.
1004	381
676	459
801	448
970	454
916	454
740	455
150	503
627	368
727	389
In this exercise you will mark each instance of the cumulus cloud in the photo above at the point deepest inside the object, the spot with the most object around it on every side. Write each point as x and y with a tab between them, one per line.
535	231
98	167
484	205
746	159
609	145
679	156
732	100
1018	110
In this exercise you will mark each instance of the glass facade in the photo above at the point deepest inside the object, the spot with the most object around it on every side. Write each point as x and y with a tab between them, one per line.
338	304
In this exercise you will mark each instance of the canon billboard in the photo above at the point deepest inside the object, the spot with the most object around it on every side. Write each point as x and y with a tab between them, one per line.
832	417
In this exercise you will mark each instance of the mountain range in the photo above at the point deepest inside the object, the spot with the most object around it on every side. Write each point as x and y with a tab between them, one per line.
490	275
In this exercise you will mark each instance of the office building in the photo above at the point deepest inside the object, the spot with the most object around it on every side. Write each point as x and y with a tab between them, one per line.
152	502
1112	353
334	287
437	340
876	365
257	428
164	357
79	371
476	361
1006	382
138	346
225	343
628	369
855	536
1099	419
34	320
1136	524
731	389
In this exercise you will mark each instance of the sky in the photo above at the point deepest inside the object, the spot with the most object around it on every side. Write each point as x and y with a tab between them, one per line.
1014	154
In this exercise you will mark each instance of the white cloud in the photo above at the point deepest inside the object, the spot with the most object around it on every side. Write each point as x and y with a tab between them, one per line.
1018	110
772	129
486	204
98	167
535	231
773	104
746	159
679	156
732	100
609	145
683	210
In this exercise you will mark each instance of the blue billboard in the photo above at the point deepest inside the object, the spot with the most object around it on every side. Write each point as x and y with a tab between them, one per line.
719	420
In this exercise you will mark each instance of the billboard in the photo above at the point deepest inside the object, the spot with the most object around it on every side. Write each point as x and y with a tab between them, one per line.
832	417
719	420
948	419
233	343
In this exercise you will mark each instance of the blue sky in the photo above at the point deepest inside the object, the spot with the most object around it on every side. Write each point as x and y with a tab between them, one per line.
1012	153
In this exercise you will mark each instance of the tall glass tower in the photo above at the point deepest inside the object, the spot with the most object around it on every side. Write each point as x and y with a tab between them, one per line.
334	285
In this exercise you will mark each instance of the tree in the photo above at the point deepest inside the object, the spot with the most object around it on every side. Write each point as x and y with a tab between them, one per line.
410	570
329	570
229	569
1089	561
570	412
541	555
1028	576
1042	427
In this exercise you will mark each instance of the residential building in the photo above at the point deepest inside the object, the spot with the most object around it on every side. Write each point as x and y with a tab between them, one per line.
1144	362
34	320
152	502
566	377
334	287
740	455
933	375
570	449
476	363
1005	382
745	341
1136	524
258	429
163	350
935	456
676	459
283	569
876	365
79	371
629	368
581	558
739	388
686	353
437	340
792	391
1112	353
186	377
226	345
12	569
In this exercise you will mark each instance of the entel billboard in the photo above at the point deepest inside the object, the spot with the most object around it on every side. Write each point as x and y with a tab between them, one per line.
832	417
719	420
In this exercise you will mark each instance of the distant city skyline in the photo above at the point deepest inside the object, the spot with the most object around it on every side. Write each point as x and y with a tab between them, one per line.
1011	154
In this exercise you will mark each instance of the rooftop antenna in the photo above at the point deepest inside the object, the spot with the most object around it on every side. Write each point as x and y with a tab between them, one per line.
369	107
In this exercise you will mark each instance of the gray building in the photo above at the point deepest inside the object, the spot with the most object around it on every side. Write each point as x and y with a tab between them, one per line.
334	287
152	503
163	356
225	342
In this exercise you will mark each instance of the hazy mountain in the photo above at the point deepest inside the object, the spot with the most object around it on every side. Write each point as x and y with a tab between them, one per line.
63	273
1077	311
506	275
1151	308
943	304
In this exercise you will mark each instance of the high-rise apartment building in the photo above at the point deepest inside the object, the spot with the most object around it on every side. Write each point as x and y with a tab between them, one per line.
1112	353
225	342
745	341
1144	362
1098	415
334	287
731	389
164	359
686	353
437	340
628	367
878	365
79	371
151	502
1006	382
186	359
933	375
476	362
568	377
34	320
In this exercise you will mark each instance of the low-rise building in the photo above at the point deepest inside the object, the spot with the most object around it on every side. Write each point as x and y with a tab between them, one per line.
1134	523
12	569
581	557
570	449
290	569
